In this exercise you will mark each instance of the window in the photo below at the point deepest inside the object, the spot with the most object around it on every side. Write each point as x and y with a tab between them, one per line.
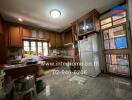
40	50
117	63
36	47
33	46
26	45
113	20
115	38
45	48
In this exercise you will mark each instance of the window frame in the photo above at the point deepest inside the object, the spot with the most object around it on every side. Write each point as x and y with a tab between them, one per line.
36	41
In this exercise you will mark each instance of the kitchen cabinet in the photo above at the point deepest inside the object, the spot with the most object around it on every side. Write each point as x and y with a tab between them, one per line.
89	23
52	40
86	25
29	33
2	50
58	40
67	37
43	35
15	36
26	33
33	34
1	26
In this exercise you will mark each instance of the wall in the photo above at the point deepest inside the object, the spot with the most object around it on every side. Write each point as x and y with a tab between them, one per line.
130	19
130	13
2	42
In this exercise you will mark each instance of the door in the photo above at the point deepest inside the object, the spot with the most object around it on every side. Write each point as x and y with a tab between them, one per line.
117	50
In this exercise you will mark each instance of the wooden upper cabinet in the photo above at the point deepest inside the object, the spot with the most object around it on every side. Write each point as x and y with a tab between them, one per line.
52	40
58	40
67	37
26	33
33	33
29	33
15	36
88	23
43	35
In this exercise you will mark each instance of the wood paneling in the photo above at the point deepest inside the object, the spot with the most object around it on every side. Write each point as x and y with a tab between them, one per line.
52	40
26	32
2	42
58	40
68	37
1	26
43	35
2	50
15	36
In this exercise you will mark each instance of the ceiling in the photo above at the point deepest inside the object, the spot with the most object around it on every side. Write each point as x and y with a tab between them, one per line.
36	12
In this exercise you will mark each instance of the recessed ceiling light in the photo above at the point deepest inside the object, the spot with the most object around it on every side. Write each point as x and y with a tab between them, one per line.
19	19
55	13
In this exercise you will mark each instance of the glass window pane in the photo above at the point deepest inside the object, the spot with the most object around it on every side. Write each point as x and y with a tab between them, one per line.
119	65
119	28
106	34
112	44
105	21
45	44
111	33
89	24
106	44
108	59
26	48
106	26
118	17
33	43
33	46
120	42
26	43
119	21
124	70
120	60
39	44
45	48
81	27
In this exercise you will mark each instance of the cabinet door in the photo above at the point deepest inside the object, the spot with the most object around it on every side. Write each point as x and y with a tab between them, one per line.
43	35
68	37
2	50
52	40
40	35
1	27
58	40
33	34
81	27
15	36
26	33
89	24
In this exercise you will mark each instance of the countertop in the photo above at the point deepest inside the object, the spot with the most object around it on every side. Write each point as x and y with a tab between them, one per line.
8	67
48	57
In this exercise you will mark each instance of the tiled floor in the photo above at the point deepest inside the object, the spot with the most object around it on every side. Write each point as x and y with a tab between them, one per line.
103	87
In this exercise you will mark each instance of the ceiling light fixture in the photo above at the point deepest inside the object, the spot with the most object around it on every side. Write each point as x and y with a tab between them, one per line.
55	13
19	19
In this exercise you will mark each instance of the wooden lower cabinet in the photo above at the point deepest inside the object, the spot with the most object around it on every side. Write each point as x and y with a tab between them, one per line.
2	50
15	37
